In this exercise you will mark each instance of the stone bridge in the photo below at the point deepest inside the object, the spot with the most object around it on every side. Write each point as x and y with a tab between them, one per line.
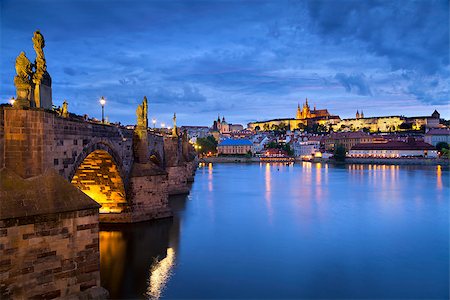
61	174
130	172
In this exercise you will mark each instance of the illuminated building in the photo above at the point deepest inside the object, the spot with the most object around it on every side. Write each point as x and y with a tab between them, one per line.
387	123
349	139
394	149
305	116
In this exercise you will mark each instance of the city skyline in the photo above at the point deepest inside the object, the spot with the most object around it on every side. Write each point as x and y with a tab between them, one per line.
246	61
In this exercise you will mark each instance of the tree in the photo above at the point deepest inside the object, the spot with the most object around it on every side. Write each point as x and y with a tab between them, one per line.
406	126
257	128
301	126
339	153
266	127
205	145
442	145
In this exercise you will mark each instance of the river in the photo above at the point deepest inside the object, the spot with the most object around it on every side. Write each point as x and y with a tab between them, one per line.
290	231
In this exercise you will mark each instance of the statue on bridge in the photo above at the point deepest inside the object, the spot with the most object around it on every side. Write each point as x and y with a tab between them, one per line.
174	129
42	93
22	81
65	110
142	114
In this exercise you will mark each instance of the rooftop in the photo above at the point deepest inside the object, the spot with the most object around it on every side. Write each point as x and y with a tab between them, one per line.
236	142
439	131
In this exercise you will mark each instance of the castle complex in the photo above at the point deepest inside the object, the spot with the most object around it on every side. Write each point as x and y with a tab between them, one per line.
305	116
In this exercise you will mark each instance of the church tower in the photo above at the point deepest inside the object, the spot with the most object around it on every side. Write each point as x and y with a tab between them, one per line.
361	115
299	112
306	113
357	114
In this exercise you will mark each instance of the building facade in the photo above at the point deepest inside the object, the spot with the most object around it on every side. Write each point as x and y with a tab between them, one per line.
235	147
349	139
437	135
394	149
387	123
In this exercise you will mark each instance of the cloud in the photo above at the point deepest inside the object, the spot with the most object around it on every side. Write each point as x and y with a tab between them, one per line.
187	95
256	55
410	34
355	83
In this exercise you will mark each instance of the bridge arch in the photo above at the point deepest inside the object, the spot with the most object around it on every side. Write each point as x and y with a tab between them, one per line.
99	173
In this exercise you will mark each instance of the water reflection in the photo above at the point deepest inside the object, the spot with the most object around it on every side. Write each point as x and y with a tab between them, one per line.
131	252
160	274
268	183
439	177
301	232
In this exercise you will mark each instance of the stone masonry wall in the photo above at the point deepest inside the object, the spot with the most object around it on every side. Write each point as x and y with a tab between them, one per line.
149	197
178	183
36	140
2	137
49	256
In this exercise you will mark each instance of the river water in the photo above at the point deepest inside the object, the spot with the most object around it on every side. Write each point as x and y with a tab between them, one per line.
298	231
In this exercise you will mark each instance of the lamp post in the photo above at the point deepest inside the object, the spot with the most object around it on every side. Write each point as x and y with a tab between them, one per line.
11	101
102	103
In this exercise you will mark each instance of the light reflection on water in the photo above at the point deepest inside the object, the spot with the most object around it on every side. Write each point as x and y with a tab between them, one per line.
160	274
283	231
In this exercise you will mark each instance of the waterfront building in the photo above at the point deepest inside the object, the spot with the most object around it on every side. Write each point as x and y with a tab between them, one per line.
436	135
306	148
234	146
349	139
394	149
305	116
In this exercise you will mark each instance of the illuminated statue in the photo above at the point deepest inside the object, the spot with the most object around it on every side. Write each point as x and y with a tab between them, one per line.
174	129
41	79
64	110
142	114
22	81
38	45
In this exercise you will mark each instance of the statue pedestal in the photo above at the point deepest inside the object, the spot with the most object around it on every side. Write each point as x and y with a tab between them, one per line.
42	92
21	103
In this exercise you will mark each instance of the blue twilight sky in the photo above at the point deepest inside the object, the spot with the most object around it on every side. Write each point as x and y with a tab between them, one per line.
247	60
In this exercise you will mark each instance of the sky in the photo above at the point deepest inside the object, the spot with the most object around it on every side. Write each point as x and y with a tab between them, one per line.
245	60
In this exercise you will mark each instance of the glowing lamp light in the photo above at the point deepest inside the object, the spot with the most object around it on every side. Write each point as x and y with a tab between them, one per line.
102	103
12	100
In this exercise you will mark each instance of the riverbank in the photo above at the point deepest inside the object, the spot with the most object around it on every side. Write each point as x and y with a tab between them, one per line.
228	159
372	161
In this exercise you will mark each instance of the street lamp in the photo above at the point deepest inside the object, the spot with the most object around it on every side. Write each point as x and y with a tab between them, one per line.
11	101
163	125
154	122
102	103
